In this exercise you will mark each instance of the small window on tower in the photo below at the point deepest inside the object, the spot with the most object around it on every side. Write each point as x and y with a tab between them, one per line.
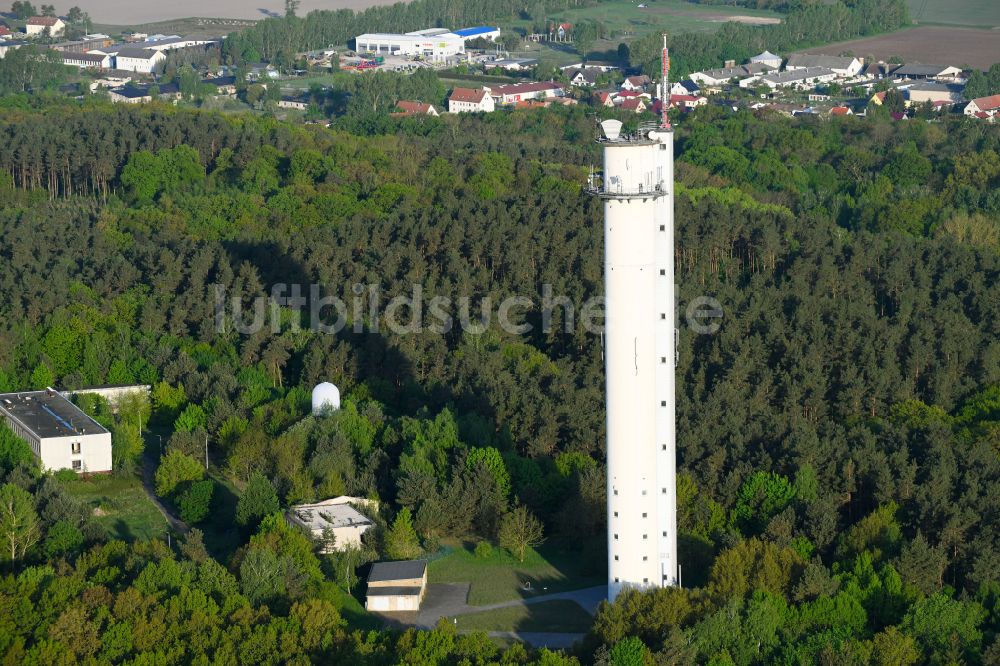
616	579
664	491
663	272
76	448
645	536
664	447
645	580
663	403
643	514
616	537
616	514
77	465
663	315
616	558
663	359
663	227
664	533
645	558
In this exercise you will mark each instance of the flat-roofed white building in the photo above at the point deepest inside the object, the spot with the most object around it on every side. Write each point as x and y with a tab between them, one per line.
335	517
436	47
59	433
87	60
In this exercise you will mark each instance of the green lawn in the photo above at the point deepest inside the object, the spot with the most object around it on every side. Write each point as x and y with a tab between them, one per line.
626	20
501	577
121	506
974	13
555	616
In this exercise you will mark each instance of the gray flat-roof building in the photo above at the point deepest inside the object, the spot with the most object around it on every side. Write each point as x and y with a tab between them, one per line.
59	433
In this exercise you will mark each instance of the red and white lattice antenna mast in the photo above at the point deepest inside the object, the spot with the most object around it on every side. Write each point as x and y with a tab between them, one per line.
665	93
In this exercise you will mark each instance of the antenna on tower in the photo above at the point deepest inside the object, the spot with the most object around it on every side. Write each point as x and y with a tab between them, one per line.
665	79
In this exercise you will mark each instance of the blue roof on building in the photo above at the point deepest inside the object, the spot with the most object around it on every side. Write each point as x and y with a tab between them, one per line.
472	32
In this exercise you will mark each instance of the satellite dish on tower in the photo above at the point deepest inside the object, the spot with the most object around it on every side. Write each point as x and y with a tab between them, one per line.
612	129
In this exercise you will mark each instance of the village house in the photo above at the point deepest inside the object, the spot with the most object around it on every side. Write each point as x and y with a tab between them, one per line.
517	92
841	111
798	78
879	70
138	60
636	83
44	25
841	66
685	87
599	65
687	101
410	108
583	78
983	107
87	60
295	103
224	85
767	58
933	91
10	46
919	71
604	99
635	105
513	64
133	94
714	78
469	100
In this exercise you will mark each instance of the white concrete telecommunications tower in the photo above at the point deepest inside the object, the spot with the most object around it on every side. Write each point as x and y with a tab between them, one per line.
640	352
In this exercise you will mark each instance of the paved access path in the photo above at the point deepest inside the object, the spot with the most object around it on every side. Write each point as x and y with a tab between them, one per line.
149	485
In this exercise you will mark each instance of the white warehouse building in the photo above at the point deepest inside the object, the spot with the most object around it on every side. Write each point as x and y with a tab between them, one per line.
434	46
59	433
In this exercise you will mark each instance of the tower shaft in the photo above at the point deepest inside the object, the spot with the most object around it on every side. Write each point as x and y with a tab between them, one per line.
640	358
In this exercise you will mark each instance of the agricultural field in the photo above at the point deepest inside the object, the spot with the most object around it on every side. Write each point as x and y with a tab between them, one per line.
972	13
926	44
626	20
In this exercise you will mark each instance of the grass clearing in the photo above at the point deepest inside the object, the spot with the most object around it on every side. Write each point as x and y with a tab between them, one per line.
556	616
973	13
500	577
121	506
625	20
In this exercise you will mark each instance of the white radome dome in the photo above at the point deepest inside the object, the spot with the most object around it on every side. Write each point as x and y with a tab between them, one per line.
325	398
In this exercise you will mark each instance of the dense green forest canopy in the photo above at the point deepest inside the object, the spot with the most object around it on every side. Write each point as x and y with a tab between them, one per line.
838	437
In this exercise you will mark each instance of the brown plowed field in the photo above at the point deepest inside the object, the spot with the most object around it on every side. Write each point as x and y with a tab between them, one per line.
931	45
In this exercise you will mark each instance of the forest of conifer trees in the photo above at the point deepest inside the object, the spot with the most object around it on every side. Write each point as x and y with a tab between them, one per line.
838	437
